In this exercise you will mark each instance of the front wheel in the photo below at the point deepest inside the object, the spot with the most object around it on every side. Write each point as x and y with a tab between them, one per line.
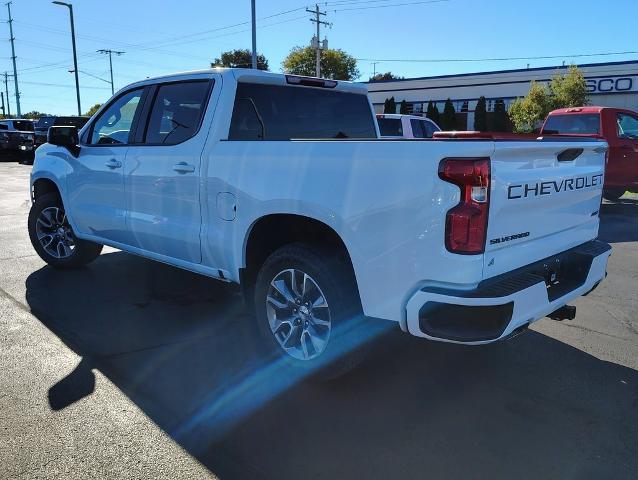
307	309
52	236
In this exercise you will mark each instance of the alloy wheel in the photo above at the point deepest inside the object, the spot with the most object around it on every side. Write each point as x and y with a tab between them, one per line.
298	314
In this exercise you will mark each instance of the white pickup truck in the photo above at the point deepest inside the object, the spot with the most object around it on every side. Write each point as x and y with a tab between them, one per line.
281	183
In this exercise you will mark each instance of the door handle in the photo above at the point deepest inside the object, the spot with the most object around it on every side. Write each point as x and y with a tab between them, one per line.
112	163
183	167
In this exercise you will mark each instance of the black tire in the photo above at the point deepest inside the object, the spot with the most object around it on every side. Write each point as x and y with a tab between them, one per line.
613	194
83	251
333	275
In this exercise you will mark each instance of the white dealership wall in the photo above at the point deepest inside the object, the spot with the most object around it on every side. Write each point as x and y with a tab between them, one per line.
611	84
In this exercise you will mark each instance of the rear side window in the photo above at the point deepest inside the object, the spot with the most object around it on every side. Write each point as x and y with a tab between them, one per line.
4	126
177	112
390	127
627	126
273	112
586	124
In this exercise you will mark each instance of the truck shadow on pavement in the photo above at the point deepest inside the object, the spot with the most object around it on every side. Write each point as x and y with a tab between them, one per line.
182	349
619	221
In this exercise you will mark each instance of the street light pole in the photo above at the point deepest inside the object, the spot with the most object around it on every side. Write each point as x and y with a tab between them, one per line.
75	56
254	22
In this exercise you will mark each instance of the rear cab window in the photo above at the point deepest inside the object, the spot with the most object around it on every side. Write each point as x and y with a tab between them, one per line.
44	123
390	127
573	124
77	122
23	125
278	112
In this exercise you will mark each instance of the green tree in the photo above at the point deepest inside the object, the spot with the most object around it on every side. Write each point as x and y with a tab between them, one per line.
240	58
500	122
528	112
480	115
91	111
403	108
385	76
34	115
569	90
448	119
390	105
433	112
335	64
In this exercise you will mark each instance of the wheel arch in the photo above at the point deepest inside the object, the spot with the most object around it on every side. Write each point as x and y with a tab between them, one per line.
42	186
272	231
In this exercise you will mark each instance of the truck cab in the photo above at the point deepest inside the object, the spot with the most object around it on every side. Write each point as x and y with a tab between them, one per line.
618	127
406	126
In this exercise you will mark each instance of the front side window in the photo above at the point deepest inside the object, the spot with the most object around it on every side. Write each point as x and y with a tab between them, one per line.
4	126
573	124
429	128
274	112
627	126
177	112
390	127
114	125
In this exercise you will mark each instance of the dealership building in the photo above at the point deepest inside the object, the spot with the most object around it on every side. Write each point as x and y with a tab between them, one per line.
611	84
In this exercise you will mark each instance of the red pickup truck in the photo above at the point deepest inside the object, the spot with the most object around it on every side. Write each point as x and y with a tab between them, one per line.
618	127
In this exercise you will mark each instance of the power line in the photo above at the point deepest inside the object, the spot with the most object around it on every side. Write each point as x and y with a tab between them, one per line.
424	2
495	59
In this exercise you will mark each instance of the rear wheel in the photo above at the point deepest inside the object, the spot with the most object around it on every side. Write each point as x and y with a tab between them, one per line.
52	236
613	194
305	298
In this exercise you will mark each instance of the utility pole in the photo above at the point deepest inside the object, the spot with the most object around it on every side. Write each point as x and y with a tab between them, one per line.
110	53
254	27
6	89
75	56
317	44
13	57
374	68
3	112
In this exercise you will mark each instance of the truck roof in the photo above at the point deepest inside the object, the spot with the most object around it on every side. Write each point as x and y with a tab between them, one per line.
586	109
256	76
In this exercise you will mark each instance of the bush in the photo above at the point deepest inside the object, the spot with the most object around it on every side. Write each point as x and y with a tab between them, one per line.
433	113
500	117
448	119
480	115
390	105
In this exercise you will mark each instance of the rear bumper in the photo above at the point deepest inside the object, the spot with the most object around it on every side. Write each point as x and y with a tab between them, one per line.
503	304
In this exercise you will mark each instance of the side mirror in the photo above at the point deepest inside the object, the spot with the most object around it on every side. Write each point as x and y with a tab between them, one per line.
64	137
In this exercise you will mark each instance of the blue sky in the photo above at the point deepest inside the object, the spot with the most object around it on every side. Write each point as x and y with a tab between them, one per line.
161	36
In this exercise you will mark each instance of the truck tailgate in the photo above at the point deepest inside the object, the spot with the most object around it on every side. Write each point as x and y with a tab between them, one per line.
544	199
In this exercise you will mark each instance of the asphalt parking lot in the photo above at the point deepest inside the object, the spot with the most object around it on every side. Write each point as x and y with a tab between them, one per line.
131	369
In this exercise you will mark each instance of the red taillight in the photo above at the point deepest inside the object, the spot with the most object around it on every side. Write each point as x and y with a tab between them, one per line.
466	223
